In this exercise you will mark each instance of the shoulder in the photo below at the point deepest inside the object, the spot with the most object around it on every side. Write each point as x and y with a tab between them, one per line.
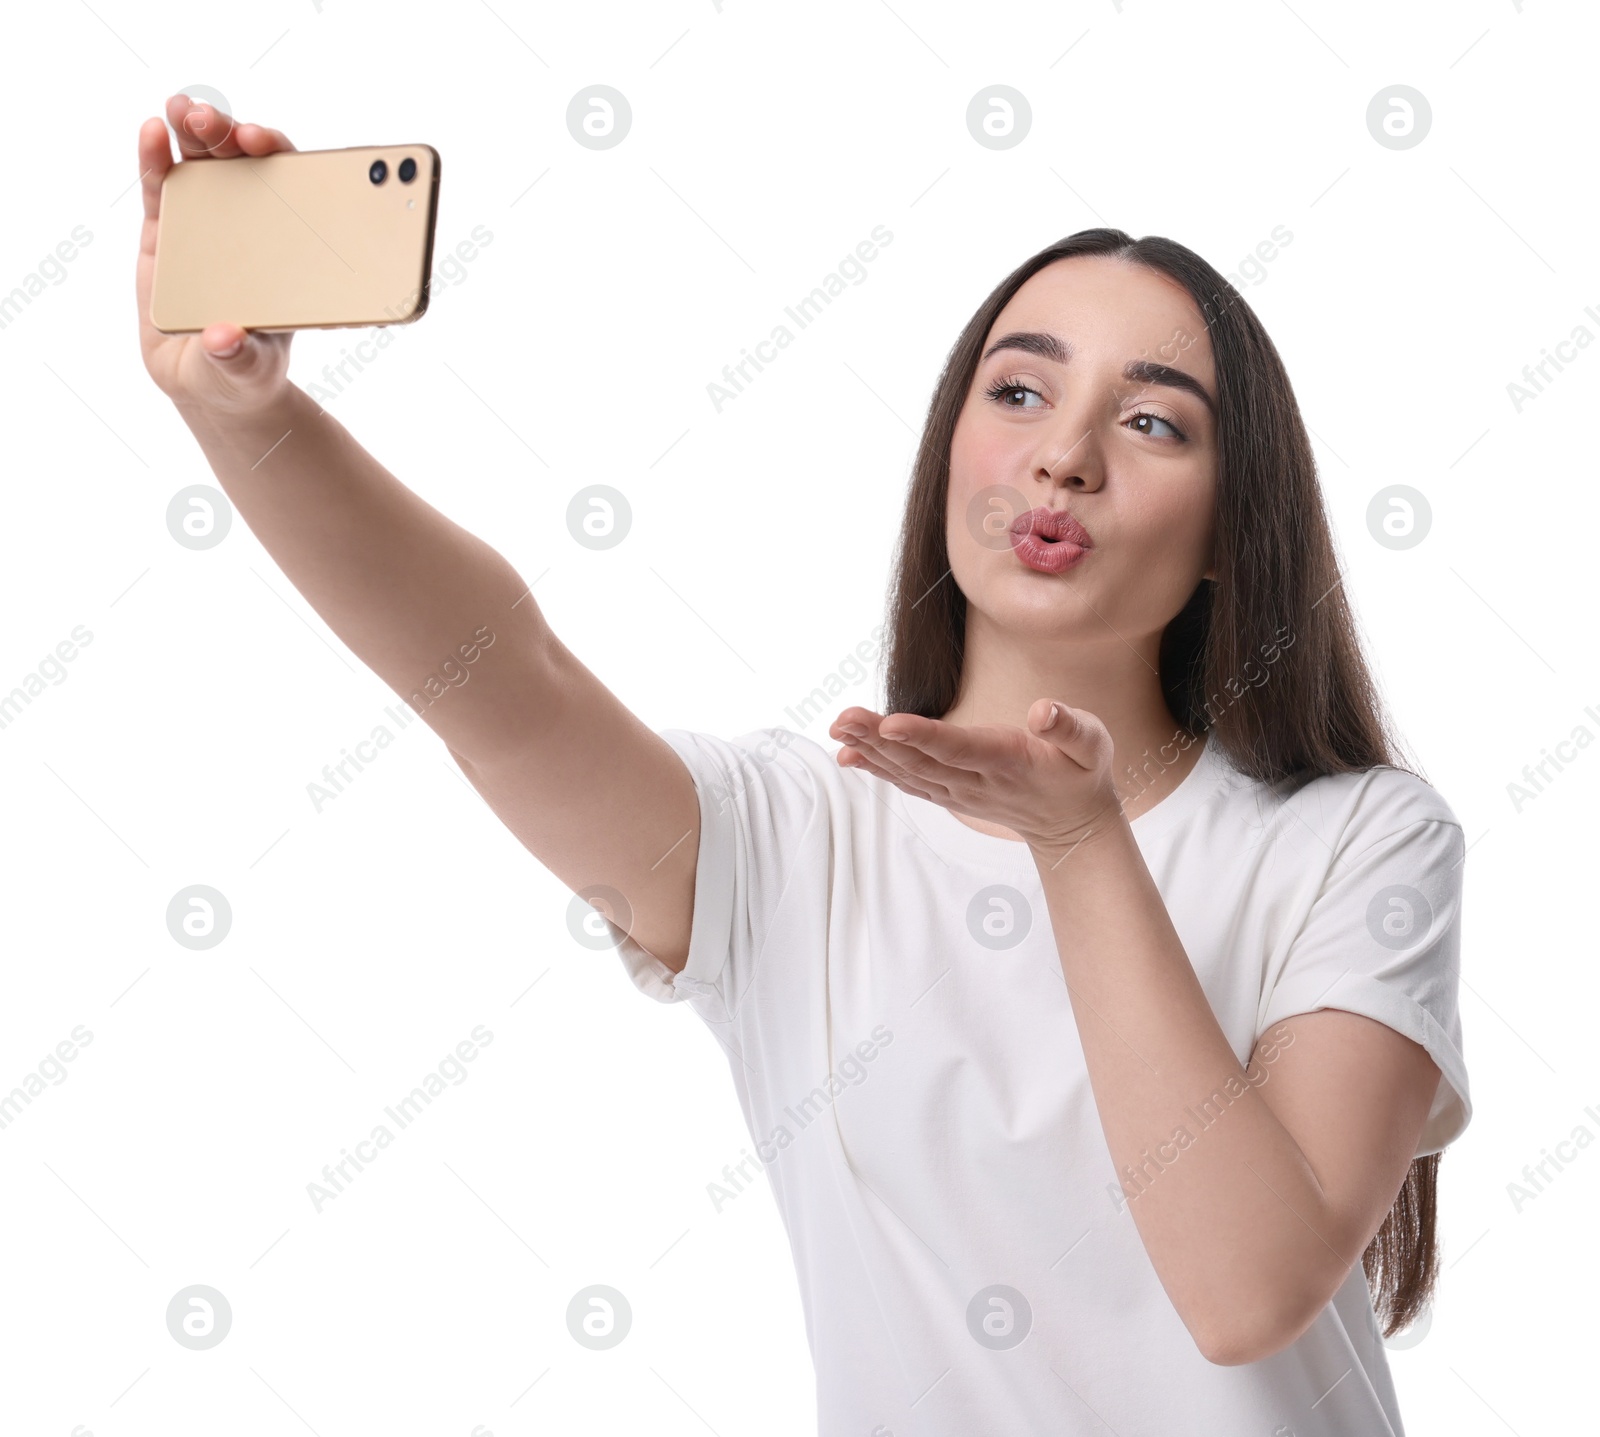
1334	815
1352	812
779	750
1388	798
765	765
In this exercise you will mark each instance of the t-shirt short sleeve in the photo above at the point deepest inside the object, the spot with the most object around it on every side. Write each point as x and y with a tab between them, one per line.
1383	939
758	803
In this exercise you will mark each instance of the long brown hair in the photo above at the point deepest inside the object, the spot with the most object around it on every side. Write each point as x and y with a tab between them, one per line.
1275	569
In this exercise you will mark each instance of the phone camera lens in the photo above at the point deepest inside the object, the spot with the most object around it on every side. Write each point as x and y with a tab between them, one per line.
407	170
378	173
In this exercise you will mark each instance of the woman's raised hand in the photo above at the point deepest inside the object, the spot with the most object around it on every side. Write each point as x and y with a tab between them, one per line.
223	370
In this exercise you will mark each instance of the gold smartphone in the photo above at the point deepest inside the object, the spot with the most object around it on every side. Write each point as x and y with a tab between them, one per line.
313	239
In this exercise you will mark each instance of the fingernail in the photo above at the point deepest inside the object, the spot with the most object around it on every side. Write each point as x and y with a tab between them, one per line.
1055	713
229	352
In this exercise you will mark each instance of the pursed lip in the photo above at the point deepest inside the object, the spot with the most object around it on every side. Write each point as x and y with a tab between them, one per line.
1052	524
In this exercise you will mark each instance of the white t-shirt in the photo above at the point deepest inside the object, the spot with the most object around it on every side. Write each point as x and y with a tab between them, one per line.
886	984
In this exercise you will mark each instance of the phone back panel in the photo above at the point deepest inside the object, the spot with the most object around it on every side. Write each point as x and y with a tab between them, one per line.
295	240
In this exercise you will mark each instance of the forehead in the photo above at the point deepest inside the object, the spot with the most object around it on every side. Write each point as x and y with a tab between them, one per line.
1113	308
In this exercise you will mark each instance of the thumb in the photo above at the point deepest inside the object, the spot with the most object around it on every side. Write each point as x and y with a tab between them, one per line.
244	365
244	357
231	349
1074	731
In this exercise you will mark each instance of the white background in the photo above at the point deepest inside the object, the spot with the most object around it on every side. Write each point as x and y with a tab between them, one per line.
370	938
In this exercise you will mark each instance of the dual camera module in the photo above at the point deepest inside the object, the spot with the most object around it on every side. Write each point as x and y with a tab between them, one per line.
378	172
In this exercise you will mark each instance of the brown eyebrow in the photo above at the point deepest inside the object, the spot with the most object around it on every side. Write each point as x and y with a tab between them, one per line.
1138	371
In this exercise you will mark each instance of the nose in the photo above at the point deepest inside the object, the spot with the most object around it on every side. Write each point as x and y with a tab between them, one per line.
1071	457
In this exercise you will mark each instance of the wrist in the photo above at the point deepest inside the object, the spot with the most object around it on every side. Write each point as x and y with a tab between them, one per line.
1100	833
211	419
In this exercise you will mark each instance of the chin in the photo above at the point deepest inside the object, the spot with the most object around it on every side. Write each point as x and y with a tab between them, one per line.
1027	601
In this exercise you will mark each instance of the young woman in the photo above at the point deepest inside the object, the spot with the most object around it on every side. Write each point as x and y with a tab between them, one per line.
1093	1010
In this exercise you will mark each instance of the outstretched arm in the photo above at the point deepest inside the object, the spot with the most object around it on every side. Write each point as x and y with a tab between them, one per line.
434	611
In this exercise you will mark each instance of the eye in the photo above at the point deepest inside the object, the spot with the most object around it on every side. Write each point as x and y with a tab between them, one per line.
1145	414
1005	386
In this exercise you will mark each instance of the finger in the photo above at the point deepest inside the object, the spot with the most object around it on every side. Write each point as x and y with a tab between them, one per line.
862	729
854	758
155	159
259	140
963	752
910	762
203	130
926	780
853	721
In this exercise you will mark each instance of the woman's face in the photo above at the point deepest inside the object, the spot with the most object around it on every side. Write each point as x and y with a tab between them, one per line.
1073	407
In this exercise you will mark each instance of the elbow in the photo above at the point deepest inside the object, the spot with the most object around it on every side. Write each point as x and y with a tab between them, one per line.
1252	1332
1237	1348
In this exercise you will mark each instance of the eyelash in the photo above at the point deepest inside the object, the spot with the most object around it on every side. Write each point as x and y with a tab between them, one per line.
1005	385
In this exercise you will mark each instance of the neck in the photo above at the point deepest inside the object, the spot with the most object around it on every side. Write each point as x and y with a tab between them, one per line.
1117	679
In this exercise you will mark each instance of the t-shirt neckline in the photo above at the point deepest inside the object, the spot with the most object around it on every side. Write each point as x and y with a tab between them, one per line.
936	823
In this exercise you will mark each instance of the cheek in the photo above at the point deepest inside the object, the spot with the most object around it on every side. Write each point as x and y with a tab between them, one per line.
982	499
1169	536
978	451
1195	513
978	511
